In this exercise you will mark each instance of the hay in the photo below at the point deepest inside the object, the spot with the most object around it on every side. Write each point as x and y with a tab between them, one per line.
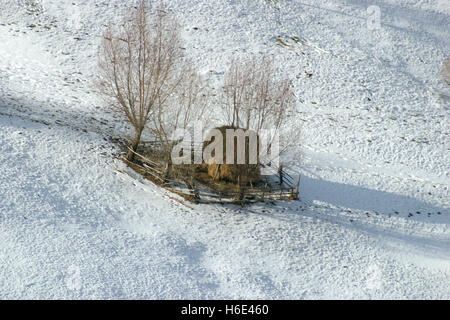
236	173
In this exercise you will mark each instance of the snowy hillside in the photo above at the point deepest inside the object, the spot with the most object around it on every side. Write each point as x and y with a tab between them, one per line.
374	216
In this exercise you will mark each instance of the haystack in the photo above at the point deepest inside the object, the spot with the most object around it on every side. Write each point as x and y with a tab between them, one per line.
236	173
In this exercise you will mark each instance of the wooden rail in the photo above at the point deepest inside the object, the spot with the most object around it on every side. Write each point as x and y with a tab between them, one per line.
197	191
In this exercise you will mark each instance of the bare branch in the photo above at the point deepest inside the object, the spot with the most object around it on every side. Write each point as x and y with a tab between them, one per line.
137	66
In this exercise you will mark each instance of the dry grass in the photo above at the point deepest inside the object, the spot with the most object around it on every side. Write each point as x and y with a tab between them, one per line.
151	163
242	174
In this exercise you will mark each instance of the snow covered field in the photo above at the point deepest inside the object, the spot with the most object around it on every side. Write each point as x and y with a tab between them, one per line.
374	216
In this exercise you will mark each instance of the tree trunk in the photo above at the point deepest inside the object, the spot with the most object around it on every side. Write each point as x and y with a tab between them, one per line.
134	145
168	167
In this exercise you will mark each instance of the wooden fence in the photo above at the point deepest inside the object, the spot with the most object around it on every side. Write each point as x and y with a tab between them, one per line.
281	186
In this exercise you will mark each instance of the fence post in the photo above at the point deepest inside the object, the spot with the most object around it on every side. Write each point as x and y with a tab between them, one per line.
298	185
280	172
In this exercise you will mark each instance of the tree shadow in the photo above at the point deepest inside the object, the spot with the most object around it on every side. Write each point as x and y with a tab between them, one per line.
78	118
329	202
363	199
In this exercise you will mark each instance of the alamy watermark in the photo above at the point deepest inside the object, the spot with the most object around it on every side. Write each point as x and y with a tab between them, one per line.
73	281
229	146
374	18
73	15
374	277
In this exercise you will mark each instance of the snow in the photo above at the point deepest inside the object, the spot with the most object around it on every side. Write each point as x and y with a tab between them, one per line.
374	216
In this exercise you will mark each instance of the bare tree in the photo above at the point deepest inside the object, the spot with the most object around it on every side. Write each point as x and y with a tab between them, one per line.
186	105
137	66
253	97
